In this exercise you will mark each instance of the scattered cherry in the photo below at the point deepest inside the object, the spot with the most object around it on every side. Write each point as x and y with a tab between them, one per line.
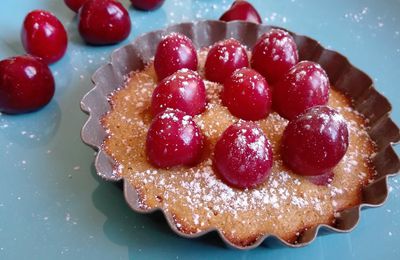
103	22
224	58
74	5
44	36
305	85
241	10
173	139
147	5
274	54
174	52
243	155
26	84
183	90
247	95
315	141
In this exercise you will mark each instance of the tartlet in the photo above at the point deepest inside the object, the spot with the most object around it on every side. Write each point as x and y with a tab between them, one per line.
200	201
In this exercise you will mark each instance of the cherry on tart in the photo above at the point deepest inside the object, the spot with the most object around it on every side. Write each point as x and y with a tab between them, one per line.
304	86
184	90
247	95
223	59
103	22
174	52
241	10
44	36
74	5
315	141
243	155
274	54
147	5
173	139
26	84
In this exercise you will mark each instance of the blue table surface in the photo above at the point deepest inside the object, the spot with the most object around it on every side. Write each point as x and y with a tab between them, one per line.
52	204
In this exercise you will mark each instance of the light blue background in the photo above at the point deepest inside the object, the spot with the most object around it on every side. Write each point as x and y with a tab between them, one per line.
53	206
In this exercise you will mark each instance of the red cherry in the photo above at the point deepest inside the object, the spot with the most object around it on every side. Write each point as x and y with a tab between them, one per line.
174	52
224	58
243	155
184	90
274	54
305	85
147	5
315	141
74	5
247	95
241	10
173	139
44	36
104	22
26	84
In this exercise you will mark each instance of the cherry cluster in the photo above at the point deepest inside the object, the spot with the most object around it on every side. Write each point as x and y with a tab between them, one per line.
314	141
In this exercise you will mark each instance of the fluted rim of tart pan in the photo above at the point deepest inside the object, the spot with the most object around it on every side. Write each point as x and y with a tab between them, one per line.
342	74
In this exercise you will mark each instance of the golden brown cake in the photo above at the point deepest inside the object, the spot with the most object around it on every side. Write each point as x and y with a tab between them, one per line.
285	205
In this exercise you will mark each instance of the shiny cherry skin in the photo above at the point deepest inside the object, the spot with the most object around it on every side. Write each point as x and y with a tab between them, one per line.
241	10
174	52
147	5
174	139
184	90
102	22
26	84
44	36
304	86
247	95
74	5
224	58
274	54
315	141
243	155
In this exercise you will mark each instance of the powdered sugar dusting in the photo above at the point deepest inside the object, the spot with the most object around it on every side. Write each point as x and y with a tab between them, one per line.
198	187
278	45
